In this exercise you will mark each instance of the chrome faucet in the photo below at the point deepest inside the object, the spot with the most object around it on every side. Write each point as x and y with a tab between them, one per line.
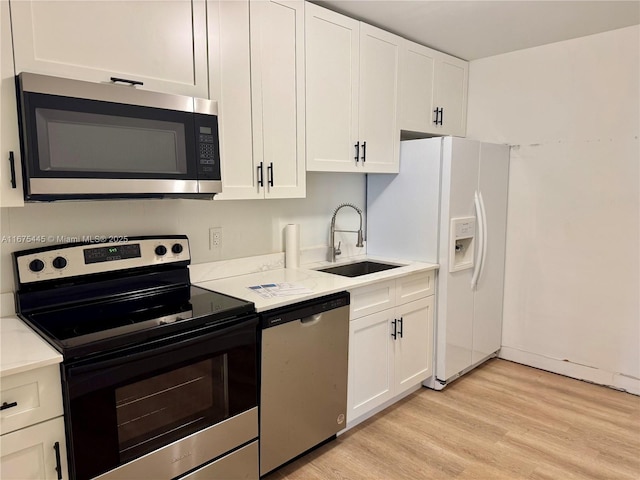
336	250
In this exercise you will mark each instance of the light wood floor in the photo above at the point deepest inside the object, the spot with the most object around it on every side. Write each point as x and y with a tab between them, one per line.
501	421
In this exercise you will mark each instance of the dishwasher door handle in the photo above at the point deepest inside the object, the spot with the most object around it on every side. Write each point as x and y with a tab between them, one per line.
312	320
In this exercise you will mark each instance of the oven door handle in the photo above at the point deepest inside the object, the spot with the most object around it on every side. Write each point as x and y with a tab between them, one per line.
175	344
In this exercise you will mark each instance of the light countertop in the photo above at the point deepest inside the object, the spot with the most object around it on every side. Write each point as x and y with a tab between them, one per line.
320	283
22	349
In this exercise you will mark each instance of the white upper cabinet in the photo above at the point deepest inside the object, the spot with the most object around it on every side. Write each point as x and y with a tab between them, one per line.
451	81
352	93
433	91
261	97
332	51
11	193
159	42
378	107
230	76
277	92
417	68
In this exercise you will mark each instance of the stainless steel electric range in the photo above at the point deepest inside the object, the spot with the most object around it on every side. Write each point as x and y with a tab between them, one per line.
159	377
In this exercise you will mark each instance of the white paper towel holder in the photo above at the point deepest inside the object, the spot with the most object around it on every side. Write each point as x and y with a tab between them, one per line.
292	245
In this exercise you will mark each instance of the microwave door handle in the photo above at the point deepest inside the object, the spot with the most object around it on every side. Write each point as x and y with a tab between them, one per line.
133	83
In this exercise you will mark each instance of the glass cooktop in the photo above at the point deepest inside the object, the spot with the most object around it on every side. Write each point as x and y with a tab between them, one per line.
92	328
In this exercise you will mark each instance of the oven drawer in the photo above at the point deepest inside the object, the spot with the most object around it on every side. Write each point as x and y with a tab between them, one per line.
30	397
188	453
239	465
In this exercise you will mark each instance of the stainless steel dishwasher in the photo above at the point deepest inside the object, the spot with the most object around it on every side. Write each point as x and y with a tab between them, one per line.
303	392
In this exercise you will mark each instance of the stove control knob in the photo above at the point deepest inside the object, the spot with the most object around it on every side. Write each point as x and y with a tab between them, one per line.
161	250
59	262
176	248
36	265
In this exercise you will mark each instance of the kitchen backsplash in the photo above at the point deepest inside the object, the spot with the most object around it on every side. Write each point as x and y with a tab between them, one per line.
249	227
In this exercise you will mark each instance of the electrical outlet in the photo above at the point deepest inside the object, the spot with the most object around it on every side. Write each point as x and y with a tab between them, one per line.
215	238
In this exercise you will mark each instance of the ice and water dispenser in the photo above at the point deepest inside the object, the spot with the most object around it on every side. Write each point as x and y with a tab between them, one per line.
462	243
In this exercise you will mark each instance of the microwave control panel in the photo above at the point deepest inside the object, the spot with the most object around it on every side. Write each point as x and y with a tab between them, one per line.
208	149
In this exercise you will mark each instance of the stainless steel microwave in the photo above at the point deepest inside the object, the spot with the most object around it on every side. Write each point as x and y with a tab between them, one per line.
83	140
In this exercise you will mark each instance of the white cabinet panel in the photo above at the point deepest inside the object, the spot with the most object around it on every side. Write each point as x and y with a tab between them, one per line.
414	360
277	79
372	298
378	106
332	55
413	287
417	67
95	40
10	196
36	394
451	82
29	454
371	356
231	85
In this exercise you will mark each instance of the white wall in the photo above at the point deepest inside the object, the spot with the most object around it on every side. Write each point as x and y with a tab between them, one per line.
251	227
570	110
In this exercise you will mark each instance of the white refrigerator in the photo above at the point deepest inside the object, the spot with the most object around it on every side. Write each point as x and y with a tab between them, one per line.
448	205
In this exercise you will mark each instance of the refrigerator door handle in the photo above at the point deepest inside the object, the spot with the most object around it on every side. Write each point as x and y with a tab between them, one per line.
480	237
485	233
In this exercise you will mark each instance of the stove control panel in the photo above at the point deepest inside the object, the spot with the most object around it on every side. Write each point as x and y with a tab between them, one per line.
73	260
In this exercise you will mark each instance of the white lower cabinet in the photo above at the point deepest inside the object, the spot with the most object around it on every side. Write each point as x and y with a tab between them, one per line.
35	452
32	445
390	349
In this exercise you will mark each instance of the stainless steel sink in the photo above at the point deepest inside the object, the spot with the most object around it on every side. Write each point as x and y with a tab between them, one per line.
358	268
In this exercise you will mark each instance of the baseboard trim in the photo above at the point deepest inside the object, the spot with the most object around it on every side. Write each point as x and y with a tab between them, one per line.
614	380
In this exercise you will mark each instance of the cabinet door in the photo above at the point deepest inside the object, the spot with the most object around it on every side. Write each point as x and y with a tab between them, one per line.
277	86
10	196
378	105
332	47
370	363
228	22
36	394
29	454
452	77
414	344
161	43
417	69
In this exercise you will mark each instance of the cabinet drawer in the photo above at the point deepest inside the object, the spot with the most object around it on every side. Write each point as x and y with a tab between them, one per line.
37	395
241	464
30	453
372	298
415	286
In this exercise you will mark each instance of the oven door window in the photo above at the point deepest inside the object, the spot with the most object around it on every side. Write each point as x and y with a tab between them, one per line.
134	402
187	398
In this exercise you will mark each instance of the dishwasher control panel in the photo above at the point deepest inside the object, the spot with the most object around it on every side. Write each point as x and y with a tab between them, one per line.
306	309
